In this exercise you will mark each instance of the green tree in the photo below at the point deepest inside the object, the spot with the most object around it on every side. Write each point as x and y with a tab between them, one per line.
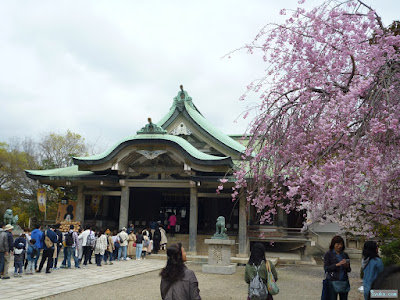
14	185
19	192
57	150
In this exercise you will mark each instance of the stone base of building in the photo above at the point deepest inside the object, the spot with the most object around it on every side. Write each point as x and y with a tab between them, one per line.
215	269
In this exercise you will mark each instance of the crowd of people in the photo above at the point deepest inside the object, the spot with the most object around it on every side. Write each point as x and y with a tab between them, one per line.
31	250
176	278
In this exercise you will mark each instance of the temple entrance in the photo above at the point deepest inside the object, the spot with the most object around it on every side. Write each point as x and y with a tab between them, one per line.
157	204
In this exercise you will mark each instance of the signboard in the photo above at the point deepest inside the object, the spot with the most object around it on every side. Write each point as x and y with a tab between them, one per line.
66	212
41	197
95	203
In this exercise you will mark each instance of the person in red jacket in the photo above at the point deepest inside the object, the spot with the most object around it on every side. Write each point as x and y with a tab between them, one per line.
172	223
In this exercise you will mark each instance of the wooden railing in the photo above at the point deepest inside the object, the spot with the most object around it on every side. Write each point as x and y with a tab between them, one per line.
282	233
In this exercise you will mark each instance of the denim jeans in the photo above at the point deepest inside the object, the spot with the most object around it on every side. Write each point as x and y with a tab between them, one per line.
116	250
139	248
1	262
108	255
122	250
99	258
68	256
31	265
37	258
76	258
18	266
64	262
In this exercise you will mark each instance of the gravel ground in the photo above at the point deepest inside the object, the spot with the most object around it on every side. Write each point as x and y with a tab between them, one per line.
295	282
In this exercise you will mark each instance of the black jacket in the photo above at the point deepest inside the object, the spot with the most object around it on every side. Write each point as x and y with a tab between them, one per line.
59	238
157	236
330	267
10	241
18	241
139	238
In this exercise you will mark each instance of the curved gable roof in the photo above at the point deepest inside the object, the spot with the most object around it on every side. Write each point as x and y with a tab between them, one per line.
180	105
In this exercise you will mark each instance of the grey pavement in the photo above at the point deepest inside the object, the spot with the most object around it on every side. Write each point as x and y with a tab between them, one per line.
37	286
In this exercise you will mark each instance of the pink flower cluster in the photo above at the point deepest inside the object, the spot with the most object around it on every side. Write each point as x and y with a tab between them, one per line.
327	135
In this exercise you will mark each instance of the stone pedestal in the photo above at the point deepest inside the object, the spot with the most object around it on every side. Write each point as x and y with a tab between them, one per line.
219	257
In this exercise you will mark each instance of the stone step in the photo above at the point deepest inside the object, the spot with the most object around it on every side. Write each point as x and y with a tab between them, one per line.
201	247
203	259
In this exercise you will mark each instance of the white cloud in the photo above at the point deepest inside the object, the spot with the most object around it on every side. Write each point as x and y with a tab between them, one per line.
100	68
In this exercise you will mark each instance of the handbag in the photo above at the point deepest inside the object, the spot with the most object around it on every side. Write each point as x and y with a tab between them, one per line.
273	288
325	288
341	287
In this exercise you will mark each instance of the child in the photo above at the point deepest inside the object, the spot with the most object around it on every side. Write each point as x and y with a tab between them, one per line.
19	254
31	256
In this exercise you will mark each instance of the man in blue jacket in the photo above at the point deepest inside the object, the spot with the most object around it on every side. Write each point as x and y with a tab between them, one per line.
48	241
37	234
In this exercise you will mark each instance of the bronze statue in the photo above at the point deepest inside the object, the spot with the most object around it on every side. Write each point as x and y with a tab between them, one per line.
220	232
9	218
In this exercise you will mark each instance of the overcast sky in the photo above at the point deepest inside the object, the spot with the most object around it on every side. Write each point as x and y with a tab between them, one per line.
100	68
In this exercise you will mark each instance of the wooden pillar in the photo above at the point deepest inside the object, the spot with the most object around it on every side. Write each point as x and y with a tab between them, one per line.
243	242
124	207
80	205
281	218
193	219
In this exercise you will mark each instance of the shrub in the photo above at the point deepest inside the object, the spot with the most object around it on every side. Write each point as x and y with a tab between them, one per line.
391	253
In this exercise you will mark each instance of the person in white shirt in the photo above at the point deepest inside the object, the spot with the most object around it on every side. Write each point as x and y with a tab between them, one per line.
88	239
123	242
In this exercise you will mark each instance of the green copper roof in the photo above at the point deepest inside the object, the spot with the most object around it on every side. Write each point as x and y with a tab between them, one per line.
183	100
60	173
153	138
213	130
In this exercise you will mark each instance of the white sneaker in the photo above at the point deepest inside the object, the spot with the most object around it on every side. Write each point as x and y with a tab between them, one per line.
128	258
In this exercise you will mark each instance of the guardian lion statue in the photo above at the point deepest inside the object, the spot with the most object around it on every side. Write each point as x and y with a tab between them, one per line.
9	218
220	226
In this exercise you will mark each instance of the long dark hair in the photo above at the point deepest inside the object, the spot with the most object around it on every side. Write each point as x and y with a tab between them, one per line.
174	270
337	239
370	250
257	254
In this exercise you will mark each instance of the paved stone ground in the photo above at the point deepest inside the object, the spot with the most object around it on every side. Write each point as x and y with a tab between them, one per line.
41	284
140	280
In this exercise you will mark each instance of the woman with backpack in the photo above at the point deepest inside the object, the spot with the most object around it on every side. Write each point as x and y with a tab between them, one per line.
257	265
371	264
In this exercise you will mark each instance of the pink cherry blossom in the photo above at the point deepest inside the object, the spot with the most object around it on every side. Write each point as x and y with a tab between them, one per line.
327	135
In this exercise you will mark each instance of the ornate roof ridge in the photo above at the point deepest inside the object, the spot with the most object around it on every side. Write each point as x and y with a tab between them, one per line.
151	128
184	102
